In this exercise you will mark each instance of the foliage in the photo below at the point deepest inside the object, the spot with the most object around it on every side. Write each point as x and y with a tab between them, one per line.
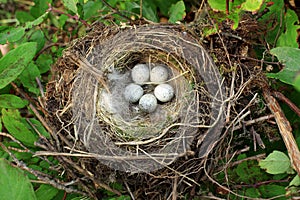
290	57
236	9
37	36
14	185
283	35
276	163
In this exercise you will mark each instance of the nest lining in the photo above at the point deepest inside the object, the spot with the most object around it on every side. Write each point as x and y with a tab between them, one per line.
125	118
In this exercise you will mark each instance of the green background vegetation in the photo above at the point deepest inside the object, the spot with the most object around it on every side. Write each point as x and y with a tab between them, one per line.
36	32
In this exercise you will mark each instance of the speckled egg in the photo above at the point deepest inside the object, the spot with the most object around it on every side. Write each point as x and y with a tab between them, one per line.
164	92
133	92
148	103
140	74
159	74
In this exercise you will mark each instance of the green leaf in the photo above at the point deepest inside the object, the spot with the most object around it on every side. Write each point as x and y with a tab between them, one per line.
150	10
11	101
289	37
71	5
28	78
39	127
40	7
62	20
177	12
46	192
295	181
252	192
164	6
91	8
18	127
37	21
11	34
249	172
23	16
272	20
276	163
252	5
218	5
44	62
14	62
14	184
269	191
290	57
297	83
38	37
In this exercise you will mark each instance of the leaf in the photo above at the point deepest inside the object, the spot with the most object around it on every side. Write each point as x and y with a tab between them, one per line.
269	191
11	101
295	181
62	20
249	172
276	163
23	16
18	127
40	7
164	6
71	5
297	83
46	192
38	37
14	184
44	62
37	21
91	8
14	62
273	21
252	5
290	57
39	127
289	37
218	5
252	192
28	78
177	12
11	34
150	10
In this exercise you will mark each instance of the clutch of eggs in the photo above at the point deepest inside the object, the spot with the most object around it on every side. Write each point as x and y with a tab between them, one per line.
142	74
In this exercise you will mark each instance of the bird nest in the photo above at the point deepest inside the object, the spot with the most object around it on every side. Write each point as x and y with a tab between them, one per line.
95	71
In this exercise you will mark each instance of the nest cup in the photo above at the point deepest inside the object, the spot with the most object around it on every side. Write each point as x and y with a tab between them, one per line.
110	128
125	120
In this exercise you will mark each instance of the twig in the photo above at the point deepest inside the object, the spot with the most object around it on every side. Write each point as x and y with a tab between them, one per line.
254	121
256	157
174	192
115	10
284	127
41	176
280	96
256	185
255	59
15	140
75	17
223	187
45	48
35	111
128	189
